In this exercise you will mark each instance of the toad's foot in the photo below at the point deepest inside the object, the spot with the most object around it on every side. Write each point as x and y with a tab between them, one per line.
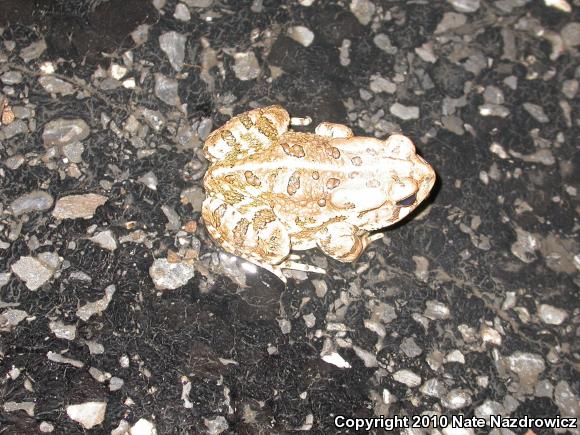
301	121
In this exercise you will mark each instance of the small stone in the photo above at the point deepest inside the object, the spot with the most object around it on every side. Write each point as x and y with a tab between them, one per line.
544	388
528	366
490	335
149	179
27	407
216	425
489	408
37	200
570	88
140	34
383	42
117	71
407	377
105	239
494	110
363	10
246	66
571	34
14	162
567	402
410	348
536	112
425	52
451	20
436	310
73	152
169	276
54	85
285	326
454	124
33	51
302	35
335	359
11	318
173	45
14	129
4	278
320	287
46	427
78	206
35	271
153	118
493	95
369	359
465	5
435	360
143	427
455	356
525	246
166	89
404	112
60	330
58	358
115	383
99	375
94	347
124	361
511	82
11	78
434	387
198	3
456	399
85	312
88	414
64	131
379	84
552	315
182	13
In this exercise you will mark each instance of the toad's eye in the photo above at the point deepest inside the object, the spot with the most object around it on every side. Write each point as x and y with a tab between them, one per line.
408	201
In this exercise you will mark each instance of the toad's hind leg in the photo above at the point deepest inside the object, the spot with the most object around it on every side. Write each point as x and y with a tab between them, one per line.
256	235
344	242
247	133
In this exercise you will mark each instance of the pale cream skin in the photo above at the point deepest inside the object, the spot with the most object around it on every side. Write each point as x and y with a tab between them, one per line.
271	190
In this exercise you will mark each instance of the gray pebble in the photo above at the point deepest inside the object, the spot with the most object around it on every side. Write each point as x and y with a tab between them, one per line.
407	377
363	10
173	45
37	200
465	5
571	34
456	399
552	315
11	78
404	112
246	66
434	387
493	95
169	276
54	85
410	348
64	131
166	89
536	112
